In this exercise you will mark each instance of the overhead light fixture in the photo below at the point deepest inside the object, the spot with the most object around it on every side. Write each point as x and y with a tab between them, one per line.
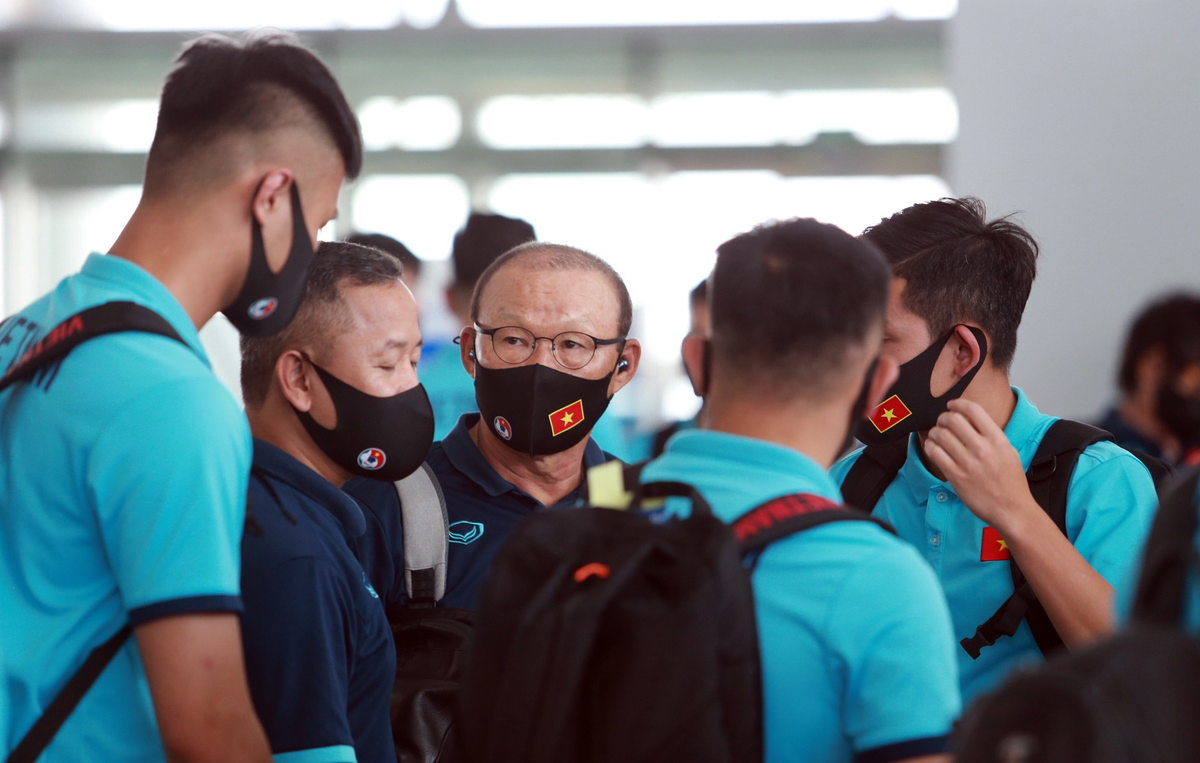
423	211
563	121
148	15
421	123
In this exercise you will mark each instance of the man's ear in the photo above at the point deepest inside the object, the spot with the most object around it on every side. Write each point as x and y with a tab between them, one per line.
694	350
272	208
291	375
467	350
887	370
627	366
966	351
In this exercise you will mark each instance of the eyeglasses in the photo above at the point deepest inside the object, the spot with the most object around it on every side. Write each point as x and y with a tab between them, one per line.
571	349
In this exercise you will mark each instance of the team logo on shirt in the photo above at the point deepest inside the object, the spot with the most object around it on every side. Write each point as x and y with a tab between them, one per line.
372	458
465	532
889	413
995	548
262	308
500	424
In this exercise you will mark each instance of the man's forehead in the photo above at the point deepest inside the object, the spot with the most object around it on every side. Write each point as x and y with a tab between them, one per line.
579	299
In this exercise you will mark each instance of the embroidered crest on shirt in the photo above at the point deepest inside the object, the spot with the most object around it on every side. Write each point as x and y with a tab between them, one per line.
995	548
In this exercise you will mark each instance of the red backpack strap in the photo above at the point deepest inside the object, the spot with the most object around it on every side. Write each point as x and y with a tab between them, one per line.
789	514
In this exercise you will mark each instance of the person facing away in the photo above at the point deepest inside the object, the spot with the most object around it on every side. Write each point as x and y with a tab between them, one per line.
124	472
1158	411
482	239
334	396
855	637
548	347
961	496
698	326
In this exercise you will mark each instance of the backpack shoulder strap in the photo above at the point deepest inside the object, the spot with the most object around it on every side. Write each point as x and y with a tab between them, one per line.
109	318
871	474
787	515
1049	478
1170	554
426	536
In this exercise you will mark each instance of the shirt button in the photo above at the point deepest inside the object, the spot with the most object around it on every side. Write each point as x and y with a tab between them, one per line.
942	497
935	540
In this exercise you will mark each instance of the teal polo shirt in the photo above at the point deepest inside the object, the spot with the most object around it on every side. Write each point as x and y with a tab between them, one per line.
857	658
122	499
1110	505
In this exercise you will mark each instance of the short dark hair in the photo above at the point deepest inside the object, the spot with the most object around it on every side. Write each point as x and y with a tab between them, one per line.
1170	323
699	294
321	317
388	245
219	84
545	256
482	239
788	300
959	267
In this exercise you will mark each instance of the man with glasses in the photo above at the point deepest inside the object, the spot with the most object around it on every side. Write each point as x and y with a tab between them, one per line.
548	347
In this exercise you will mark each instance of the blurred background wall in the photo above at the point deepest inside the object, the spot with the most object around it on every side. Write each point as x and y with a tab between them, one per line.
649	132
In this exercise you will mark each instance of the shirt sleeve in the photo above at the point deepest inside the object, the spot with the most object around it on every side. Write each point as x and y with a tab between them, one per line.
902	693
1110	506
168	480
296	631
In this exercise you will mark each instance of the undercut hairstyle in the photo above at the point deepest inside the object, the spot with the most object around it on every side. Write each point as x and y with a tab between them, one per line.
268	81
388	245
790	303
959	267
538	255
322	316
699	295
1170	324
484	238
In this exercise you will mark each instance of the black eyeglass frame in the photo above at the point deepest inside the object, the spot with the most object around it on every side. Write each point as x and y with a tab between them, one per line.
490	334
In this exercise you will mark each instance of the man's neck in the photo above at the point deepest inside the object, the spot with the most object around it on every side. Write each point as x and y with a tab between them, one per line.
284	430
994	393
813	429
548	479
184	251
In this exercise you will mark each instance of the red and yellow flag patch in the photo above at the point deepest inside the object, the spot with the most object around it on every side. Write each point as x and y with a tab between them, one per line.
567	417
995	548
890	413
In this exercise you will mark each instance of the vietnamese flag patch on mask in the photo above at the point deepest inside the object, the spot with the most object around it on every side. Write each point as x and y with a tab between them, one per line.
567	417
995	548
890	413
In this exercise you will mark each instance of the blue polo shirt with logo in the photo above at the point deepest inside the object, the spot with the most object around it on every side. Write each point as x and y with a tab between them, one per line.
122	495
1110	505
483	509
319	650
854	634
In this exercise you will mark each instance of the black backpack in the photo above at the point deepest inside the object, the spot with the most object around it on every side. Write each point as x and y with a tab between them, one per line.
107	318
1049	478
606	637
431	641
1134	698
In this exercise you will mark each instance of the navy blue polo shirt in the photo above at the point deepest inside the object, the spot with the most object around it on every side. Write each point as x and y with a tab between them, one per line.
483	508
319	651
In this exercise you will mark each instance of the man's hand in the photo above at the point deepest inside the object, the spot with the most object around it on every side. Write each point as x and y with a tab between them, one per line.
986	473
982	466
197	680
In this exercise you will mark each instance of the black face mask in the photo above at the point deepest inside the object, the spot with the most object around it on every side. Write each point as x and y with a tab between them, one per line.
268	301
1179	414
538	410
909	406
384	438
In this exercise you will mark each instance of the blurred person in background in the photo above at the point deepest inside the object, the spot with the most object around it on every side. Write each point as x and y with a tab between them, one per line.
408	261
698	327
547	347
482	239
124	470
334	396
1159	409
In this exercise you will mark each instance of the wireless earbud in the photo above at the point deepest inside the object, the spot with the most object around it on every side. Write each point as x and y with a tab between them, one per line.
471	354
623	365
